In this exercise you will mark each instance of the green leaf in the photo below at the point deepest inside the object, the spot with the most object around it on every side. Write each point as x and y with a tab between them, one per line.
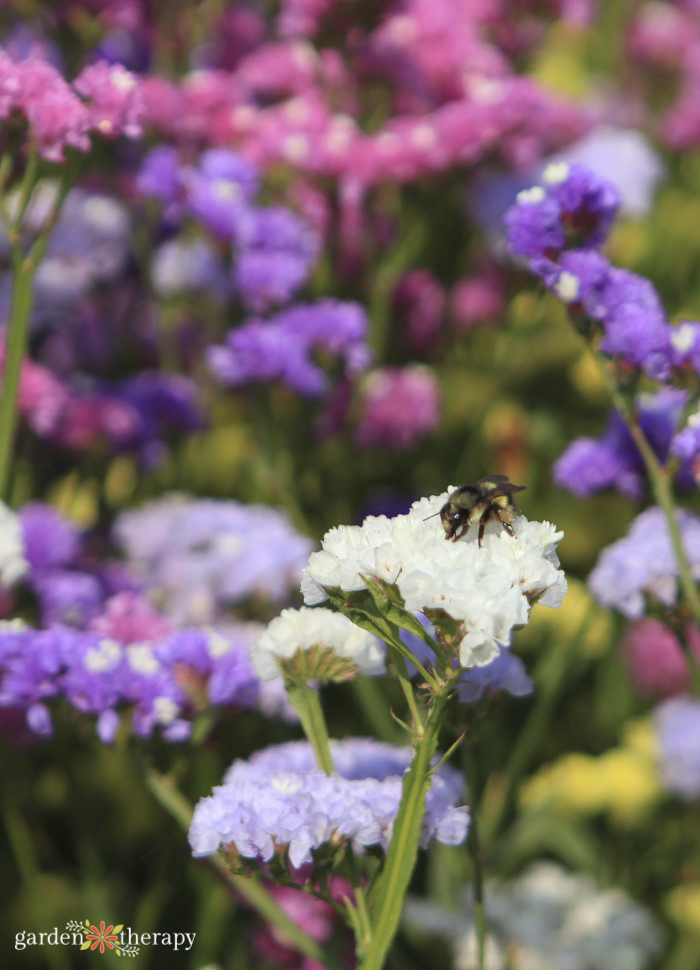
86	945
118	929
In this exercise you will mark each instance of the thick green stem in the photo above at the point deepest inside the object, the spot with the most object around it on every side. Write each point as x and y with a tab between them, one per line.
407	688
390	890
254	892
661	487
306	702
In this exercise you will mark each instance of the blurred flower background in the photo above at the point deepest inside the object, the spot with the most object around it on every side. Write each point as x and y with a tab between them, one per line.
267	269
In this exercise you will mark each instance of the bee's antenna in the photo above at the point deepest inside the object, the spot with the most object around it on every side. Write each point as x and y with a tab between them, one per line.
431	516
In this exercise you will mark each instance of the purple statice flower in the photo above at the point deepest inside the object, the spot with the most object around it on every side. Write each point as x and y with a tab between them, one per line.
574	207
50	541
613	461
643	564
68	596
686	445
275	258
160	178
283	347
162	683
163	404
219	193
279	801
534	226
198	557
114	98
400	406
678	733
634	324
625	305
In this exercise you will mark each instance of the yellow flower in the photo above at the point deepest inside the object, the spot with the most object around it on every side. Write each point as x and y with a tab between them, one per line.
683	906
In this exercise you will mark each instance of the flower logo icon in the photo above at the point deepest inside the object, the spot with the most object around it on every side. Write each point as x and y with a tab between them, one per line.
102	937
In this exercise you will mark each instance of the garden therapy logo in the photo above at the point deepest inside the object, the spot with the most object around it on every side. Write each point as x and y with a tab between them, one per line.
88	936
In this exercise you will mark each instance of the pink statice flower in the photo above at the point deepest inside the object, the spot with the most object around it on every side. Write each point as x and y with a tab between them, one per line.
314	916
400	406
129	618
419	301
477	300
657	664
114	99
56	116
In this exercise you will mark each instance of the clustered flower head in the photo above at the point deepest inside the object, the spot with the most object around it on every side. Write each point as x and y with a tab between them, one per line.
557	228
486	590
399	407
550	919
162	683
196	557
678	735
278	803
315	644
642	567
104	99
284	347
590	465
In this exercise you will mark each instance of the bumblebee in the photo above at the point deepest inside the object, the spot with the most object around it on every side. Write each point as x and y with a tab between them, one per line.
489	498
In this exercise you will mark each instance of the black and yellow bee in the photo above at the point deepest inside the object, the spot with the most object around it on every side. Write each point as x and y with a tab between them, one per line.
489	498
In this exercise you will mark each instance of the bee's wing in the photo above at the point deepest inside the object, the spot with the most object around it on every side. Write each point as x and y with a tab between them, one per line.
498	485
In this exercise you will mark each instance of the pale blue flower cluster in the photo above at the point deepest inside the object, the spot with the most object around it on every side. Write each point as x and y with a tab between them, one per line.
279	801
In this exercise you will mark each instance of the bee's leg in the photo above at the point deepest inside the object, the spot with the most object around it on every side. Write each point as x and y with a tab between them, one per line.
505	517
482	526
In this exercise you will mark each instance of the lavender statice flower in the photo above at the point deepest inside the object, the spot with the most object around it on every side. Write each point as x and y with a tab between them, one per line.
275	258
198	557
678	734
279	802
643	565
50	541
316	644
399	407
486	589
283	347
183	264
219	192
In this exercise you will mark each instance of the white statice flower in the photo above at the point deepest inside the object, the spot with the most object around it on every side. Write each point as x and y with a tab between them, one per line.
488	589
329	635
548	919
13	564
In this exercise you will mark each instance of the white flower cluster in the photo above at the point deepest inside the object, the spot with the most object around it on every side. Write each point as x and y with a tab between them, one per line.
13	564
305	629
488	589
547	919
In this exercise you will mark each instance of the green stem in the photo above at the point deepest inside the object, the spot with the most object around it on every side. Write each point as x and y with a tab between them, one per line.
661	487
23	271
172	800
390	890
306	702
407	688
478	881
